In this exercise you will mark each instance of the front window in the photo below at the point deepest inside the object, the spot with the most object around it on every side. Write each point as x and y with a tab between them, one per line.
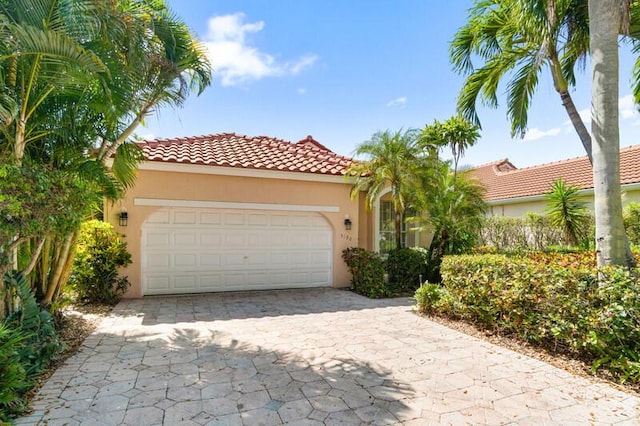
388	227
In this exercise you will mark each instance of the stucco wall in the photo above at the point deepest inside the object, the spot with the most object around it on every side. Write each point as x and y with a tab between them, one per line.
517	209
202	187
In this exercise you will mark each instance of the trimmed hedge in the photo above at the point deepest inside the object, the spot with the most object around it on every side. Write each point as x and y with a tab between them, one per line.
404	268
367	272
407	269
551	299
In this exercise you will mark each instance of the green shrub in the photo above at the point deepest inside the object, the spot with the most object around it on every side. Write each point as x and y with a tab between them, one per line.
100	253
407	268
632	222
14	380
557	299
41	344
427	296
517	234
367	272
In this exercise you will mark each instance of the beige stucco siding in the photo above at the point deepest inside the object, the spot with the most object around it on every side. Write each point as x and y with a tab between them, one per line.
516	208
168	185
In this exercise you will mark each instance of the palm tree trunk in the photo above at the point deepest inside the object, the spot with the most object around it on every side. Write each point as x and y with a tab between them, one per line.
578	124
604	25
60	262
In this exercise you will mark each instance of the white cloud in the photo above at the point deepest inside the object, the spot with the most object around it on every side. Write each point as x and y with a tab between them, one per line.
628	107
535	134
236	61
397	102
302	91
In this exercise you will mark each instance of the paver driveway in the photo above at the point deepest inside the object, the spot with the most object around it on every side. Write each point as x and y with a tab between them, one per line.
307	357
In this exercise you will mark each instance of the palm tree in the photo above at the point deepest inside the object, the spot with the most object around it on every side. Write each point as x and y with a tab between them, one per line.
456	132
518	39
606	20
566	211
392	160
453	207
75	83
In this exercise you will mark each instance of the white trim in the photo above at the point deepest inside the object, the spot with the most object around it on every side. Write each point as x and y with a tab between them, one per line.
236	171
161	202
376	218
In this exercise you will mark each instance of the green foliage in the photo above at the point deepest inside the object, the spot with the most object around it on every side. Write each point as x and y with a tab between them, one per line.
41	344
632	222
393	160
531	232
567	211
367	272
36	200
13	375
100	253
427	296
454	209
407	267
555	299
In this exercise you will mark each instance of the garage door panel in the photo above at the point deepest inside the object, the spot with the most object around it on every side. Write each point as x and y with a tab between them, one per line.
156	260
156	283
210	239
235	239
234	219
185	217
185	239
258	219
203	250
185	282
182	260
157	239
207	260
207	218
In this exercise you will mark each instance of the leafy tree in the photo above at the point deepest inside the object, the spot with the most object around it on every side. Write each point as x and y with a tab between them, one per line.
392	159
567	211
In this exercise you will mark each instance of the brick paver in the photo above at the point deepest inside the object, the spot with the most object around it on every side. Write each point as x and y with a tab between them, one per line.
307	357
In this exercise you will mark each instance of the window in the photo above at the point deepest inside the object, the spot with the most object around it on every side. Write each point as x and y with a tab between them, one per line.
388	227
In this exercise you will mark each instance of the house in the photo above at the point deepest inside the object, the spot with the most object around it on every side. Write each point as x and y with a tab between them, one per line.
514	192
230	212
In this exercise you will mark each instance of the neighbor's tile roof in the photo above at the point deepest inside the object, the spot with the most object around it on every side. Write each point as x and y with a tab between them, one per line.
248	152
503	180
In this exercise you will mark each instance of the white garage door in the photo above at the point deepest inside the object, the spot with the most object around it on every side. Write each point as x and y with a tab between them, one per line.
190	250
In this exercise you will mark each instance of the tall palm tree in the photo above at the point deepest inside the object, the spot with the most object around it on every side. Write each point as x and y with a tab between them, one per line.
391	160
453	207
517	40
606	20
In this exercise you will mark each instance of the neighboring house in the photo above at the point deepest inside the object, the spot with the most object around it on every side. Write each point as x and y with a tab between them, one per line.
514	192
229	212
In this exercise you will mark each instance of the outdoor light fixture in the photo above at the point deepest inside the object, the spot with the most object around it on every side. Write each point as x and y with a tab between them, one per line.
123	217
347	223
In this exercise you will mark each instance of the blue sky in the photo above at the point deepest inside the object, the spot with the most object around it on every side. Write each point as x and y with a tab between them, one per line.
342	70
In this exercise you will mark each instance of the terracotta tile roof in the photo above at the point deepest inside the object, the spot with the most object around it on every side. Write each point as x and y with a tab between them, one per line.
248	152
503	180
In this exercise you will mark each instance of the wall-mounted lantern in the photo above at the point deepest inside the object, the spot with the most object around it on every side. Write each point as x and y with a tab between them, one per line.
123	217
347	223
